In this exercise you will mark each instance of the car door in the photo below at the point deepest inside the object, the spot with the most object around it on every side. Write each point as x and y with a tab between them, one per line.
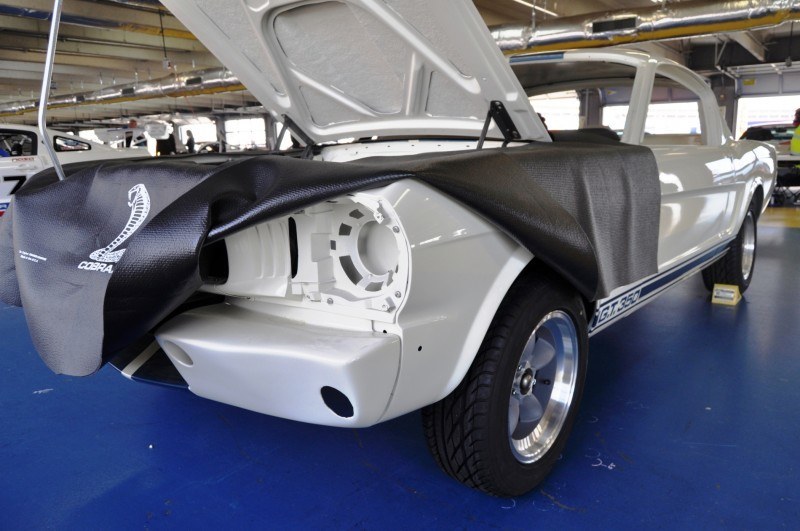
692	147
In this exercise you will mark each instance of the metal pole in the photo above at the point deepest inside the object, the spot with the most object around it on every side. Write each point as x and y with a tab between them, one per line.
45	95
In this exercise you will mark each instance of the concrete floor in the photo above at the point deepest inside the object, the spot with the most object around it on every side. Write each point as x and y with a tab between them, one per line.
690	421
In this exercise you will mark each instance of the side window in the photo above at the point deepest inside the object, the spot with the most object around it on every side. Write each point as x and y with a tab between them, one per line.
17	143
560	111
614	117
63	143
674	116
615	101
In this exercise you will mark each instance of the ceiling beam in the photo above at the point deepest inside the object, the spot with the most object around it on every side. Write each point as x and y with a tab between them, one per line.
26	26
508	11
93	14
37	76
502	11
127	109
31	66
750	43
146	69
704	56
15	42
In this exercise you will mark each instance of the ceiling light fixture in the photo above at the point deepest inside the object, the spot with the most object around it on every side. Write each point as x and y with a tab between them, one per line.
537	8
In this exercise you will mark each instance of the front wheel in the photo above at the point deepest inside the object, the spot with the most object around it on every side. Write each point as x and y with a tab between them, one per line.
503	428
737	266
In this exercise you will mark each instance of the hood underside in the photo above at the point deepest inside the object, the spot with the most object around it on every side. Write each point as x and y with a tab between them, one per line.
360	68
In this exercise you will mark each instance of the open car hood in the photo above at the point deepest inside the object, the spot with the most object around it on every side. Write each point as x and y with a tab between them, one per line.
360	68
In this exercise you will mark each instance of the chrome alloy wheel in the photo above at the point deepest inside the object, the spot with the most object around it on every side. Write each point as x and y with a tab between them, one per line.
543	387
748	245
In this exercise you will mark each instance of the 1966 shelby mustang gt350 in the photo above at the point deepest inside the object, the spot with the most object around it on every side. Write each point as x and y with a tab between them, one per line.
452	255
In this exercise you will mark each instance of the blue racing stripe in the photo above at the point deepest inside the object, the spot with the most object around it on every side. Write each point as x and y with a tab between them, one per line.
621	305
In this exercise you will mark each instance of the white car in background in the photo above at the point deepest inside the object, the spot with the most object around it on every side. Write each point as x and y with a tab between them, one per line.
456	276
780	136
23	153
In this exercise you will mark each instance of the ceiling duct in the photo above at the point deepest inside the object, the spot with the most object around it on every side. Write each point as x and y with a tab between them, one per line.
194	83
659	22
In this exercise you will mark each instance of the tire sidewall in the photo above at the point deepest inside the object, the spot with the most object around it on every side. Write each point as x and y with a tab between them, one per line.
513	476
744	282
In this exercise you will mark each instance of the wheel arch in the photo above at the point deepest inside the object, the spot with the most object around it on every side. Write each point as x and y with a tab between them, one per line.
473	432
519	268
758	198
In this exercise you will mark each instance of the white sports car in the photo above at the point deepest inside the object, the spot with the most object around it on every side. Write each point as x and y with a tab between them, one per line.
22	154
450	255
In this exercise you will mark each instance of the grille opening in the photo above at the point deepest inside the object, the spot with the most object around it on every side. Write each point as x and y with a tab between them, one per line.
213	263
356	214
345	230
293	246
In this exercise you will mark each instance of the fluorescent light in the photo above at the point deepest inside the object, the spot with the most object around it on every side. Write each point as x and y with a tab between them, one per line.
537	8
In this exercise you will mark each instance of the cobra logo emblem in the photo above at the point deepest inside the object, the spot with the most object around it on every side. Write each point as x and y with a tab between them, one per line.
139	201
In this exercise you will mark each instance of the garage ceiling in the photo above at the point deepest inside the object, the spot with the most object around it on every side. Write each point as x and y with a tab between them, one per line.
111	42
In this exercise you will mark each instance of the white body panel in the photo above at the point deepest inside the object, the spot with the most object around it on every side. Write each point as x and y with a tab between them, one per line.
461	268
254	360
14	171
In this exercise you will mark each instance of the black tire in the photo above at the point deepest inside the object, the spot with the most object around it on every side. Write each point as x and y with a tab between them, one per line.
738	264
469	432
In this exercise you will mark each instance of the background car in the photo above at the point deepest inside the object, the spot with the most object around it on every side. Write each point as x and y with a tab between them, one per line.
787	189
23	154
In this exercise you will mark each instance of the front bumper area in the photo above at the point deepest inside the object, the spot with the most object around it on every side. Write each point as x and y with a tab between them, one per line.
283	368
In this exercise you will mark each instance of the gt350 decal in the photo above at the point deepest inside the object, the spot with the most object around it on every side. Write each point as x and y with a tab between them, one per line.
615	307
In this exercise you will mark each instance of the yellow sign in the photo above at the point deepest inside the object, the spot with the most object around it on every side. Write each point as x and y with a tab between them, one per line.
726	294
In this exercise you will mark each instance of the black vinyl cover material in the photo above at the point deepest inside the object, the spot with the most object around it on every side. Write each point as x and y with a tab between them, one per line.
590	211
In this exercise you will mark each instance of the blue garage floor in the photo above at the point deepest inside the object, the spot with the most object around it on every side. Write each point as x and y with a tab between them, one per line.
690	420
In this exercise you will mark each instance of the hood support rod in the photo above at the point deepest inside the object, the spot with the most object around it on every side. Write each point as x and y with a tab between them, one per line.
46	82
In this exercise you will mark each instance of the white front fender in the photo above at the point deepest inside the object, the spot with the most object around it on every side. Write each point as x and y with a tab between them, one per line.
461	269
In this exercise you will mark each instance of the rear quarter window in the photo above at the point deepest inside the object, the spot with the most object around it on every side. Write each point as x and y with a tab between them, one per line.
63	143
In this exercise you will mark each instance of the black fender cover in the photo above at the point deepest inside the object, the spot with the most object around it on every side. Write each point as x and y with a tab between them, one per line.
589	211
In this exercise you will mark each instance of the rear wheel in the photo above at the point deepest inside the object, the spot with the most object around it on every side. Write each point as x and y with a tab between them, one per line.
736	267
503	428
